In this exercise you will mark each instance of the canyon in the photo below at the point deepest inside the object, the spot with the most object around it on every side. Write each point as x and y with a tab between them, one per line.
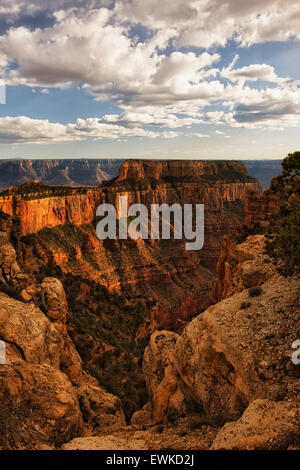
92	172
57	225
60	172
201	341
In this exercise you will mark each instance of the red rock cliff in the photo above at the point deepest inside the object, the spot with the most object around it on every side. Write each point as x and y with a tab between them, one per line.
164	270
260	207
179	169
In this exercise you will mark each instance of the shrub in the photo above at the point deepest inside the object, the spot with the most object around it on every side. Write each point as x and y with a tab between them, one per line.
197	422
200	420
255	291
159	429
172	414
283	235
245	305
278	393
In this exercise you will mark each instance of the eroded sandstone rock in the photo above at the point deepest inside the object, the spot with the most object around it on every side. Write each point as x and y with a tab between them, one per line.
161	378
264	425
38	405
237	351
8	264
45	396
99	408
143	417
105	443
54	299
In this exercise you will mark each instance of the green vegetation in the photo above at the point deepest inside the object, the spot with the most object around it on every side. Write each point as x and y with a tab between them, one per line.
228	175
64	236
283	235
246	230
103	327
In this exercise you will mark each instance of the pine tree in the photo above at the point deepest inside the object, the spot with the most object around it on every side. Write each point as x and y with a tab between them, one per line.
283	234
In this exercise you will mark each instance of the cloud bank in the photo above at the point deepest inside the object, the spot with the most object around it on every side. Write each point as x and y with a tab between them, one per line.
157	61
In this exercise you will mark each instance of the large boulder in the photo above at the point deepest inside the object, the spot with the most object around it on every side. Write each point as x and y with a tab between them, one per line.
161	378
238	350
264	425
54	299
38	406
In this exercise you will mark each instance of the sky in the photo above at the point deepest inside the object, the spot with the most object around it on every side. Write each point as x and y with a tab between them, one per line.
149	78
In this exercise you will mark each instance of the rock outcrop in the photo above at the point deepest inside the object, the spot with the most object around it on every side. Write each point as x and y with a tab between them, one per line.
242	266
115	443
260	207
237	352
46	398
161	377
265	425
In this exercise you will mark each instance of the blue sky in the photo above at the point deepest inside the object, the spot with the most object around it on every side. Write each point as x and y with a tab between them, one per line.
142	78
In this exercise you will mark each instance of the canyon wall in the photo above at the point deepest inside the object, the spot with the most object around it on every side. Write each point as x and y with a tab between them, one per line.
39	206
67	172
57	225
45	208
182	169
260	207
234	360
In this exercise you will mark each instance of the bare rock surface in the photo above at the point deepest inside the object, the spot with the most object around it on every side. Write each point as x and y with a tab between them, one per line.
45	397
160	376
105	443
8	264
54	299
264	425
237	351
38	405
243	266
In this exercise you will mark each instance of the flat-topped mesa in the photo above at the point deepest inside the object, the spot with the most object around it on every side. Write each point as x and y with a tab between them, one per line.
186	170
213	183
